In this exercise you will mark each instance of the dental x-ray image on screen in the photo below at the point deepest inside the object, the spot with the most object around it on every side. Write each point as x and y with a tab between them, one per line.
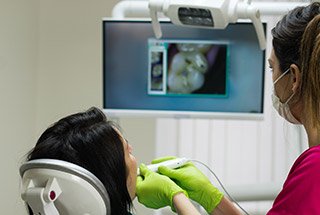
157	64
185	68
188	72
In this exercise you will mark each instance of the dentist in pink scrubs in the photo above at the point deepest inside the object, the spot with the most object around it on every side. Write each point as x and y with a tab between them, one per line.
295	65
295	62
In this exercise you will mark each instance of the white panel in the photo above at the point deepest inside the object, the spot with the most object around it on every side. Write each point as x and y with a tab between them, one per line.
241	152
233	148
186	138
293	135
280	156
166	137
201	140
304	140
217	150
243	146
201	143
264	152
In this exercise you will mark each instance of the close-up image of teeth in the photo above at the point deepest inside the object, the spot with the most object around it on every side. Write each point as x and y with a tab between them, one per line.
189	67
156	57
187	70
157	71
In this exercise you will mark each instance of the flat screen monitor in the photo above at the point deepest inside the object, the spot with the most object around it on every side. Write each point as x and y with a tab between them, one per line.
189	72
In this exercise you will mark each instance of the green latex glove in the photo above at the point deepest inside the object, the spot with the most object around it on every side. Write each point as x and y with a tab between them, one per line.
191	179
154	190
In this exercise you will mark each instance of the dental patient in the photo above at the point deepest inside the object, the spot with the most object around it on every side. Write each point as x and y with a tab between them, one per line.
88	139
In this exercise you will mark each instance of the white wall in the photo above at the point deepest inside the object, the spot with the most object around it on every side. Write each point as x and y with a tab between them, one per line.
18	58
70	57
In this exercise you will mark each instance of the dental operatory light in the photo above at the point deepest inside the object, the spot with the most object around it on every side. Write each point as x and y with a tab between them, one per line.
55	187
206	14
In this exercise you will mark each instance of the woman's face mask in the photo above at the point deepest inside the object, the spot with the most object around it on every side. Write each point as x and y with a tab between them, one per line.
283	108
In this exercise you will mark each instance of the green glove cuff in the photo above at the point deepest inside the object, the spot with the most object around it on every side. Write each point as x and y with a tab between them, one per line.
212	197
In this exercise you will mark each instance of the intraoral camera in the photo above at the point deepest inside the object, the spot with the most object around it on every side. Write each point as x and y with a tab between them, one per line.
205	14
173	164
54	187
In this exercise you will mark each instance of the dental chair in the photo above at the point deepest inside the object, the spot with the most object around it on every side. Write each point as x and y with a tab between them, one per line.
55	187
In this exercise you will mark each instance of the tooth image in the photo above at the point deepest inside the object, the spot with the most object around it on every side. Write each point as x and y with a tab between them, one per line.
178	63
198	61
187	69
195	80
203	48
157	70
155	57
185	47
178	83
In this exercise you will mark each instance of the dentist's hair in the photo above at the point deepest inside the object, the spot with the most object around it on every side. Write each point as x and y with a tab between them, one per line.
89	140
310	67
296	40
288	32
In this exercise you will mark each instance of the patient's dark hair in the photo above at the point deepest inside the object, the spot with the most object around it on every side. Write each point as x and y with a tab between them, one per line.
89	140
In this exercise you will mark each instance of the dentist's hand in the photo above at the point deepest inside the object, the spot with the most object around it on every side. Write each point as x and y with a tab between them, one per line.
154	190
191	179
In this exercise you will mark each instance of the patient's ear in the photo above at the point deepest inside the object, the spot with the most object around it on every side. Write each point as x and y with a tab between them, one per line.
295	74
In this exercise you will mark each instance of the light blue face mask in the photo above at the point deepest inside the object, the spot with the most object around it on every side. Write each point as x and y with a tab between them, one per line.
283	108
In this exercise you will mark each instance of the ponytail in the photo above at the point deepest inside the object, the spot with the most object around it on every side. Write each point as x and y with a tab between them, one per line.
310	67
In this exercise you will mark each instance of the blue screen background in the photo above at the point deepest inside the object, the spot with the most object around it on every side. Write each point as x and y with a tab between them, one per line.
125	68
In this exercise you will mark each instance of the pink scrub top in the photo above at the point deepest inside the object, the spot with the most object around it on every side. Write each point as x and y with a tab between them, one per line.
301	191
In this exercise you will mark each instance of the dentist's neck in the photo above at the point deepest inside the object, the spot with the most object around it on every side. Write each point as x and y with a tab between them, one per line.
313	135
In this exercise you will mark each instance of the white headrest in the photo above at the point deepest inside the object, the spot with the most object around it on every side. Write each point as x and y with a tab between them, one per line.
55	187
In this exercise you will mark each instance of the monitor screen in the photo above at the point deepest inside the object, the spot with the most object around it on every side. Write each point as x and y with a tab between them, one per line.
189	72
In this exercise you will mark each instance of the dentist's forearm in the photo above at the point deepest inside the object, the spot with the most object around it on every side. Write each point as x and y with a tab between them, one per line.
183	205
226	207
